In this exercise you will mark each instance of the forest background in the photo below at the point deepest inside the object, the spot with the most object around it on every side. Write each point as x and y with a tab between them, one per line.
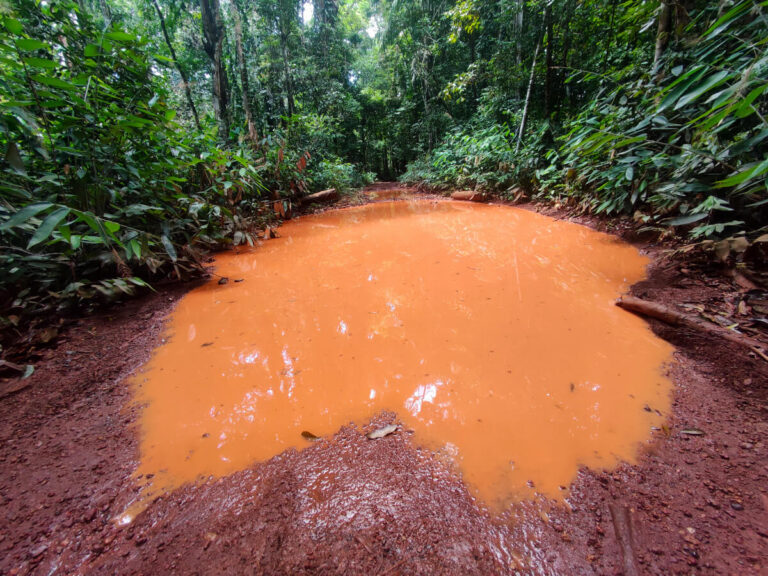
140	134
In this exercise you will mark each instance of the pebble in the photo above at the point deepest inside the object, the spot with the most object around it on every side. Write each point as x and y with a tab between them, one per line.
737	506
35	552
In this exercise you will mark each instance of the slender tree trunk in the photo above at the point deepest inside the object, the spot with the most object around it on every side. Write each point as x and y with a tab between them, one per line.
105	11
519	35
287	71
184	79
213	44
252	135
562	89
321	25
519	31
548	96
524	119
610	34
662	36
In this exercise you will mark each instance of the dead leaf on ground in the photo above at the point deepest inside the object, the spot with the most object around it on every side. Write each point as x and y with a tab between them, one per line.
742	308
381	432
692	432
48	334
309	436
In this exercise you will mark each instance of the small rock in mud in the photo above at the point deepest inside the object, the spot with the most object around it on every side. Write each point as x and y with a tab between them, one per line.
39	551
381	432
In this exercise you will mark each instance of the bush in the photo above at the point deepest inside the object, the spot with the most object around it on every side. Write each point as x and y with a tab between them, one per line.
108	191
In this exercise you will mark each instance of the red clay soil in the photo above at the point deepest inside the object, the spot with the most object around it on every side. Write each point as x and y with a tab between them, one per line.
695	504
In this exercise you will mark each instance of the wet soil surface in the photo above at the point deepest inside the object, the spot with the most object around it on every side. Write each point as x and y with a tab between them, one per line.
695	504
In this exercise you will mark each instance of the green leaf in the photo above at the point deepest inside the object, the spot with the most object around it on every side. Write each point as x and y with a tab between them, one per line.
725	21
53	82
136	248
27	44
139	282
120	36
25	214
13	26
750	171
111	227
169	247
711	82
43	233
41	63
684	220
91	50
745	106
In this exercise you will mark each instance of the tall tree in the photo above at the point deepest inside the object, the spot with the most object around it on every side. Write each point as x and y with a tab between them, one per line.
662	35
213	44
548	57
177	64
285	22
239	16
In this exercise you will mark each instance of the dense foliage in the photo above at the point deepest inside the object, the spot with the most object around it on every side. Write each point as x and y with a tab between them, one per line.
137	134
655	109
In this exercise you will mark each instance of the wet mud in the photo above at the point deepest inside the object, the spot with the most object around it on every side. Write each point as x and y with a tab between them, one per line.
690	504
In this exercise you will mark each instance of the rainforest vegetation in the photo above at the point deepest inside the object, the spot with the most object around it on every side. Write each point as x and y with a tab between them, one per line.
137	135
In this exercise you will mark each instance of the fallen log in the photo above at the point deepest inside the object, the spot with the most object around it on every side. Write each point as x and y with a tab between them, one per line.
322	196
675	318
468	195
622	526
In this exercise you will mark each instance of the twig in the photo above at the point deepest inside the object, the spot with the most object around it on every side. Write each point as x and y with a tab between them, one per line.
365	545
394	566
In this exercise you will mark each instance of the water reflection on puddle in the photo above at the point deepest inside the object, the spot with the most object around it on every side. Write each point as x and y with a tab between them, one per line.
491	331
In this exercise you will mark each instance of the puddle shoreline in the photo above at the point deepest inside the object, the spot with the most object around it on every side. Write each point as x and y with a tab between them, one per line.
387	318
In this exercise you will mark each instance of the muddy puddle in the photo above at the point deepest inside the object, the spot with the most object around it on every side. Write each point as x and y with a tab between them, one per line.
491	332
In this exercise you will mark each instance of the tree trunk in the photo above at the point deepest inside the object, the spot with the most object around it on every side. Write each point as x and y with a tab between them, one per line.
425	98
519	31
524	119
610	34
563	90
105	11
662	36
213	44
548	96
184	80
675	318
287	71
252	134
519	35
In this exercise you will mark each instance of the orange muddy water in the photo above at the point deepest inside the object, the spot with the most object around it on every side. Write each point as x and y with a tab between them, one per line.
491	331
